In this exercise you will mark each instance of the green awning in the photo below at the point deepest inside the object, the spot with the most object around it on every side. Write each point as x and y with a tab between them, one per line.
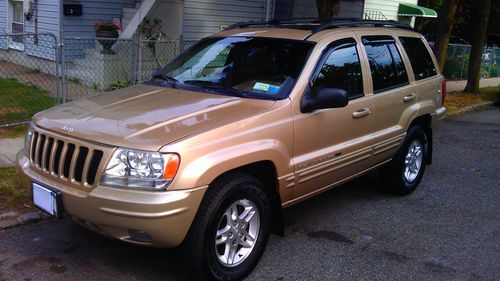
409	10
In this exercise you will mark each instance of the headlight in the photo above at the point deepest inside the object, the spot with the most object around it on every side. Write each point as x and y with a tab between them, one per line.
28	137
140	169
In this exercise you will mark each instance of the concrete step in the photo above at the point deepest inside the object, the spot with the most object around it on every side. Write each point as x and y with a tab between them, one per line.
129	12
125	22
127	15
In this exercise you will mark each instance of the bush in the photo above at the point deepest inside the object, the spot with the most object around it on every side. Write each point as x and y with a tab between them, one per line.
120	84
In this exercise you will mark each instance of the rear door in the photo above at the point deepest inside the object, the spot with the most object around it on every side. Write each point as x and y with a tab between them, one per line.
427	81
394	93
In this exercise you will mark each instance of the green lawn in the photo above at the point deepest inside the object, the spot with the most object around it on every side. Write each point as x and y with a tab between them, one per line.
20	102
11	193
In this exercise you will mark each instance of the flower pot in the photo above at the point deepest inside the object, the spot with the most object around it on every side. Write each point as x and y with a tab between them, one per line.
107	44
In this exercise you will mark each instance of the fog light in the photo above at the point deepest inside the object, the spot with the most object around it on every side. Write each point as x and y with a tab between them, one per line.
140	236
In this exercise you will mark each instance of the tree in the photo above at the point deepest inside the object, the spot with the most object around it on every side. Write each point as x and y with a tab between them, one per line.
327	9
445	26
421	23
478	41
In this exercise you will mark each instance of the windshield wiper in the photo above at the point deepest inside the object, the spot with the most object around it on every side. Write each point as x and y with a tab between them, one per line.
215	86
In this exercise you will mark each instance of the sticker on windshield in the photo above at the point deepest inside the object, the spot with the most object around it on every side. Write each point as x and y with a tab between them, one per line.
272	89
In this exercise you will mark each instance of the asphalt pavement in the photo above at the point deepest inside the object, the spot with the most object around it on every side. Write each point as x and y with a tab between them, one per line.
449	229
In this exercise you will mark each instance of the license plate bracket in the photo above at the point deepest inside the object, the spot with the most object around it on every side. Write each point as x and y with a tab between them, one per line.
47	199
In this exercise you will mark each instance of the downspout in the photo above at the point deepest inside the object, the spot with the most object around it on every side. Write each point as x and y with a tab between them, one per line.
35	8
268	10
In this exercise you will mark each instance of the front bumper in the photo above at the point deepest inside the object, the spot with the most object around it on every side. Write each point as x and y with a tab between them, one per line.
165	216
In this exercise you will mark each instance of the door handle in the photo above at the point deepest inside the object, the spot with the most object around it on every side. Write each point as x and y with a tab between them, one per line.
409	98
360	113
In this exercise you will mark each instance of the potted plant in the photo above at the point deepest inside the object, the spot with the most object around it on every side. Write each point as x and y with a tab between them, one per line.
106	29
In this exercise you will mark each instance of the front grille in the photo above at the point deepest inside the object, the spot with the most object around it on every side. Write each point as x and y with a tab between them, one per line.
65	159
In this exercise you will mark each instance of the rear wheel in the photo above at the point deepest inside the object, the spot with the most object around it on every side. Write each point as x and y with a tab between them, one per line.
403	174
230	231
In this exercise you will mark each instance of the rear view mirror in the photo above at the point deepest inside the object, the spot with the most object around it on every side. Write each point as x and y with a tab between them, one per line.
324	98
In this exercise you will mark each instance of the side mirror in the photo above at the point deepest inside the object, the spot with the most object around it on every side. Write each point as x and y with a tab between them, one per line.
325	98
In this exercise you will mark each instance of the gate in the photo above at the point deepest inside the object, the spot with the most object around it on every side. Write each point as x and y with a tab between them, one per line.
30	76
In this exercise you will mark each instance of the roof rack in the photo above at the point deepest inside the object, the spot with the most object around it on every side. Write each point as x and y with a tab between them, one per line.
360	22
320	26
274	22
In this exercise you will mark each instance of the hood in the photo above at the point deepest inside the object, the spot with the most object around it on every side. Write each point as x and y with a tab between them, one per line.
146	117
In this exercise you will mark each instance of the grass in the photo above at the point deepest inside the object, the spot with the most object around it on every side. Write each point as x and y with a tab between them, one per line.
20	102
14	131
11	192
74	80
456	102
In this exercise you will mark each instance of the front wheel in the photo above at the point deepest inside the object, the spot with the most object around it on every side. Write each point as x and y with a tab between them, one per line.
230	231
403	174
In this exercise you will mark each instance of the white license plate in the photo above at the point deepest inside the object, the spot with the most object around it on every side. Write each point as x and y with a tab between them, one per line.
47	199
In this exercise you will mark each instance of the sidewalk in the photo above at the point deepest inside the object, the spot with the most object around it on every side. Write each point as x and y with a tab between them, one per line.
8	150
459	86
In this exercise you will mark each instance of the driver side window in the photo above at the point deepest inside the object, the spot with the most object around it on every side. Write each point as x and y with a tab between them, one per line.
341	69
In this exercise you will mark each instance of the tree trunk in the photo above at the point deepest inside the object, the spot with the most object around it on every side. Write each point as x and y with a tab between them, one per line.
478	41
445	26
327	9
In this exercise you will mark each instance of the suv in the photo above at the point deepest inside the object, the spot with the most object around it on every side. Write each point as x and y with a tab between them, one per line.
246	122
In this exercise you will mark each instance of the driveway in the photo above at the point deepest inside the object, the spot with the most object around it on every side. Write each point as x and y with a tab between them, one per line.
449	229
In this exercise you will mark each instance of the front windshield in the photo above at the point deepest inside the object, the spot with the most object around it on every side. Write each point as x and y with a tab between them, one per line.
241	66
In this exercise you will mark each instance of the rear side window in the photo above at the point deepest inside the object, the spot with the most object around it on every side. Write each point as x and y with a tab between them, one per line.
386	66
421	60
340	68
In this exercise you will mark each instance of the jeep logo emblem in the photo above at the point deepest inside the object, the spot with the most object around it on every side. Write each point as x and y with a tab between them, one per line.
68	129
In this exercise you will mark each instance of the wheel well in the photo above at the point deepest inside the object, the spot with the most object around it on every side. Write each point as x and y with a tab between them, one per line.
425	121
265	172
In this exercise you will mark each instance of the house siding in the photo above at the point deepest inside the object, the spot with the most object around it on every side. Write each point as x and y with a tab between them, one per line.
3	15
290	9
48	22
202	18
170	14
48	18
92	11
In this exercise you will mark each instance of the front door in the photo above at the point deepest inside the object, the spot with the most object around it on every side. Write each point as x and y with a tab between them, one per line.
333	144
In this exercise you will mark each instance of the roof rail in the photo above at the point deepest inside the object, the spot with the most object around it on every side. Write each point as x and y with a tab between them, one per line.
250	23
360	22
320	26
272	23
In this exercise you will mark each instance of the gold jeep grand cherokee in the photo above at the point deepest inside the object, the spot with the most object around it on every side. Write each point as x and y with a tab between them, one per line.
246	122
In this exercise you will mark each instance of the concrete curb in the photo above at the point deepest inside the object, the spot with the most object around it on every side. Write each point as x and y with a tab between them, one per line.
14	219
473	107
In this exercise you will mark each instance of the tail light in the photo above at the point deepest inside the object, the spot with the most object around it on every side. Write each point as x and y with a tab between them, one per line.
443	92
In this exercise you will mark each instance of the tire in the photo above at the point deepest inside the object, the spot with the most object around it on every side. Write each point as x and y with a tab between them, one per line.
400	178
201	256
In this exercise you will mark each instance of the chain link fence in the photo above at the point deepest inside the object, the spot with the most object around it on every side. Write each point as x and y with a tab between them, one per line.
38	71
93	66
457	62
187	44
29	76
153	55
